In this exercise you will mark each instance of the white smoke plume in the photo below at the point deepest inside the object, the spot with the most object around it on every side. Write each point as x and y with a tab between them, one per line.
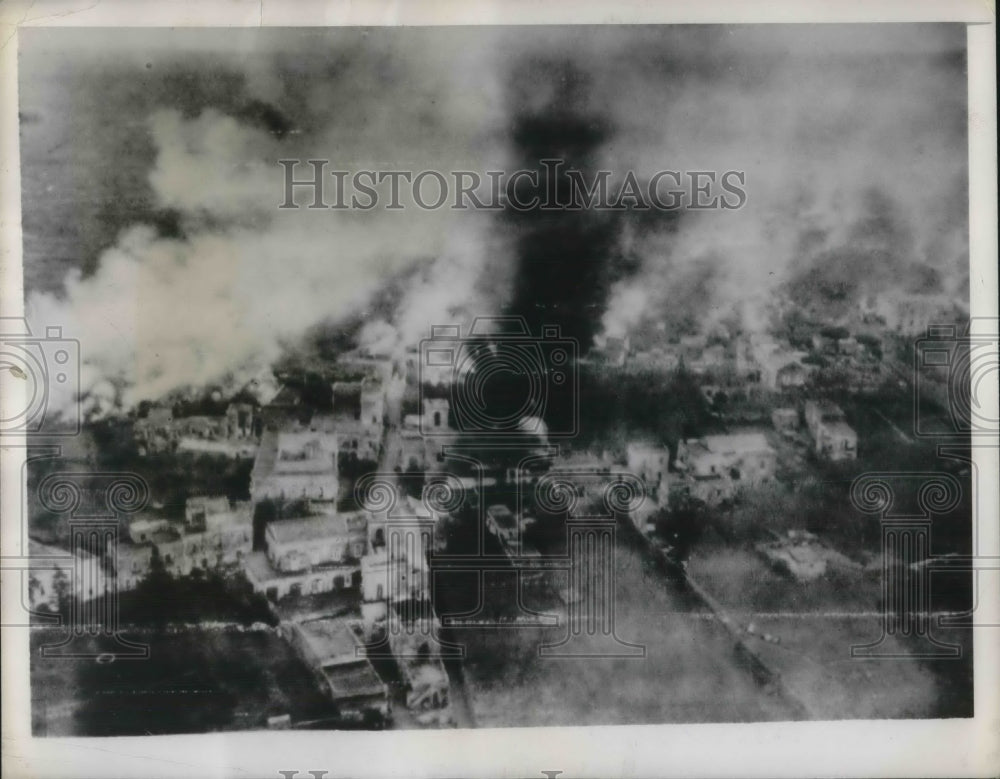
852	141
221	302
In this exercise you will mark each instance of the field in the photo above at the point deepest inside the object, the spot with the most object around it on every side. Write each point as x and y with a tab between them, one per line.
196	681
816	623
690	672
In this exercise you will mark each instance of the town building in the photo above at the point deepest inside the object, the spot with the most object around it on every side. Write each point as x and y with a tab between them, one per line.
358	418
614	351
213	535
912	314
801	555
716	466
396	570
783	370
132	563
232	433
435	415
649	461
745	456
417	652
309	556
836	441
819	411
286	408
785	420
660	359
241	420
833	438
745	366
711	360
411	454
423	437
296	464
295	545
334	652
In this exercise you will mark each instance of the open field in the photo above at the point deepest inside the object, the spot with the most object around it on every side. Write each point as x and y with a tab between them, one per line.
816	623
195	681
690	672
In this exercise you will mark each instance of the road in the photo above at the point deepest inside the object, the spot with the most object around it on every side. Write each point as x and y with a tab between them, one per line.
460	704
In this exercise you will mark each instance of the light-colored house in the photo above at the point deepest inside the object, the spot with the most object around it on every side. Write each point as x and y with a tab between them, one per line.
297	544
912	314
358	416
614	351
740	456
836	441
142	527
296	464
833	438
649	462
818	411
790	376
276	585
716	466
782	369
335	654
663	359
709	360
396	563
785	419
213	535
155	432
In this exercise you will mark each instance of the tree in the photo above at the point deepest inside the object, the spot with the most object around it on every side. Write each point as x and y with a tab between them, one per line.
63	591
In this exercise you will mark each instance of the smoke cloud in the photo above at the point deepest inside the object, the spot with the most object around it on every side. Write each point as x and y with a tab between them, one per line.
241	280
851	139
853	145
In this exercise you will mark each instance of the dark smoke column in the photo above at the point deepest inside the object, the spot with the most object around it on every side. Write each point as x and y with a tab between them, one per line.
565	258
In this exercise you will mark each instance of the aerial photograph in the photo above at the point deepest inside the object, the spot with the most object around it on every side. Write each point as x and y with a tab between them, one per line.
483	377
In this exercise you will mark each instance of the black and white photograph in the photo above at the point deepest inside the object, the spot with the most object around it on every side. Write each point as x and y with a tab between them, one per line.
421	378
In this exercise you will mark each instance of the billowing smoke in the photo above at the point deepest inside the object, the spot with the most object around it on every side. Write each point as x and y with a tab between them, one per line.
235	281
851	141
853	145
